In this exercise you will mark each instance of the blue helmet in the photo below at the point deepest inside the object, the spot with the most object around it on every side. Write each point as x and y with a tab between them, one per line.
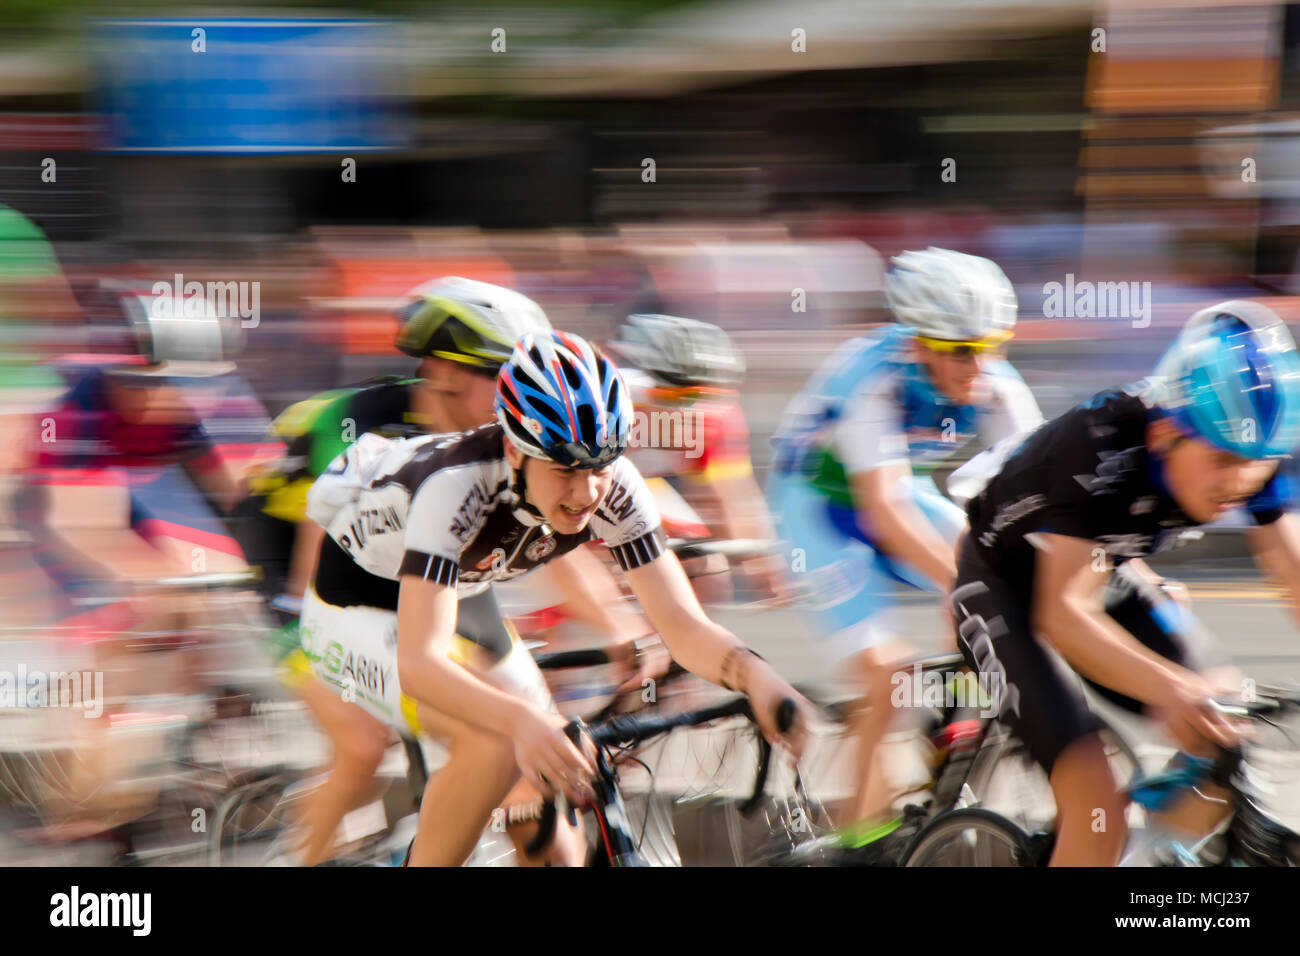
1232	378
560	399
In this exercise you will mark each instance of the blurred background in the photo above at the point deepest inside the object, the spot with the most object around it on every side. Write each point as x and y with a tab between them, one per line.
791	149
752	164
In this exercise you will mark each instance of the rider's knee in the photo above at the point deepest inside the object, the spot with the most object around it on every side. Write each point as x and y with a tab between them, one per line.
875	673
362	744
1085	788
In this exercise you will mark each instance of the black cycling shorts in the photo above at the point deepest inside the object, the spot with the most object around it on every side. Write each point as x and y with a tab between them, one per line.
340	581
1041	698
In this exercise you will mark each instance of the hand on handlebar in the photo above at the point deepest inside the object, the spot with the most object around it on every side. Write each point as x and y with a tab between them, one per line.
766	691
549	760
1186	711
640	667
1177	592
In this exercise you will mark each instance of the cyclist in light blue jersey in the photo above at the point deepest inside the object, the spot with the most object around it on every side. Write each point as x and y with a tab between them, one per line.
851	483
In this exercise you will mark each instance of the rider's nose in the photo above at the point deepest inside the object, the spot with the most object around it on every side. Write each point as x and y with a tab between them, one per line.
588	486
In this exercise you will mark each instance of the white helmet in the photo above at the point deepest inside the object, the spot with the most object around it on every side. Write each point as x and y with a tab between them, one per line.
188	337
678	351
467	321
951	295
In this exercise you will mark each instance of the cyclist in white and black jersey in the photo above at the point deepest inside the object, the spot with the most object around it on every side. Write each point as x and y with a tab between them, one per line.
441	507
1119	477
418	530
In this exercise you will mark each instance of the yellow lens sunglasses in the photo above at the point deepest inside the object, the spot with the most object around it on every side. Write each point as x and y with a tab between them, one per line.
962	349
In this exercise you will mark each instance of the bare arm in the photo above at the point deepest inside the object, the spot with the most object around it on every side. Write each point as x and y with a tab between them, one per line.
426	623
703	647
307	537
886	511
591	595
1068	613
1277	551
92	523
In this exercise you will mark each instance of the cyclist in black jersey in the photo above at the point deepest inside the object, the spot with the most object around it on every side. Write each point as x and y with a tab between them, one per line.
418	530
1050	583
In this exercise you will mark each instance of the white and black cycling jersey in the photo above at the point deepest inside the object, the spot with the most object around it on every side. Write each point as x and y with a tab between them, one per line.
440	507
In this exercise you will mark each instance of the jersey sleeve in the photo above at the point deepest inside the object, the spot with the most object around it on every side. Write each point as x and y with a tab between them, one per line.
1273	500
446	511
1012	409
67	442
627	519
870	431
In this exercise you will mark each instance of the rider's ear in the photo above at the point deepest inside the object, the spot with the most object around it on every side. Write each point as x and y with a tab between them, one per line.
1162	436
514	457
438	373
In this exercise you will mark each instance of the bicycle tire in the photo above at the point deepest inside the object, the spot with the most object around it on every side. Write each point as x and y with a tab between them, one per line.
985	839
241	821
657	836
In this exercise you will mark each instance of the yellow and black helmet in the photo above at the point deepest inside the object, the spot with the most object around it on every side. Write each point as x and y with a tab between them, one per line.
463	320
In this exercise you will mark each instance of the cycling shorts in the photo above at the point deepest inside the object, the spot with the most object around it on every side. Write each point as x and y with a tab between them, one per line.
354	650
851	584
1035	691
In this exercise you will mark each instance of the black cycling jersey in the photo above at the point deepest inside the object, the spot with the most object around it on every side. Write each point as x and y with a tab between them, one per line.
1087	474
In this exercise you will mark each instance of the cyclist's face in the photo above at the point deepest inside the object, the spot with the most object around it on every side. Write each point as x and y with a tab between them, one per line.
467	392
146	400
952	374
1205	481
566	497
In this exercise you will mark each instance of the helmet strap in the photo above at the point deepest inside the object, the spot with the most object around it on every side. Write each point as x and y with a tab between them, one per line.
524	510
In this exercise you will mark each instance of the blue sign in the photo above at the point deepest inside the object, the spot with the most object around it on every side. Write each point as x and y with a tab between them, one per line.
250	85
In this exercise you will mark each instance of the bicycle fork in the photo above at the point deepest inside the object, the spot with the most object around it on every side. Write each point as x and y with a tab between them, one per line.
611	817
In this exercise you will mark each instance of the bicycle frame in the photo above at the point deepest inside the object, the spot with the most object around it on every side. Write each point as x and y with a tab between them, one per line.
1253	839
619	846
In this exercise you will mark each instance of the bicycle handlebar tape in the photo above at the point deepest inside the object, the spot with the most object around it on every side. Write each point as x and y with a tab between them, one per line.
545	831
785	715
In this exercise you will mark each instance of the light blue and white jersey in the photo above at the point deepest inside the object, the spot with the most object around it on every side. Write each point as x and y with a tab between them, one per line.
871	404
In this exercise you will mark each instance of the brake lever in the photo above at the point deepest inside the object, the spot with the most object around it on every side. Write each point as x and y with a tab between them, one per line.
785	714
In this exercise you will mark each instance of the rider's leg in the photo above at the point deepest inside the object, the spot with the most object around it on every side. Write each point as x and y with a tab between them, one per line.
1090	808
460	797
568	846
1169	628
481	769
1038	695
359	742
874	668
850	588
359	728
878	663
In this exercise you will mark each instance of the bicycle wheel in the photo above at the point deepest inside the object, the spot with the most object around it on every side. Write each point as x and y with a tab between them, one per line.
251	819
780	830
969	837
656	834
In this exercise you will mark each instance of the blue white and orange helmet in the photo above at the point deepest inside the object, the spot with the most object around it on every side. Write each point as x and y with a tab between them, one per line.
1232	378
561	400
